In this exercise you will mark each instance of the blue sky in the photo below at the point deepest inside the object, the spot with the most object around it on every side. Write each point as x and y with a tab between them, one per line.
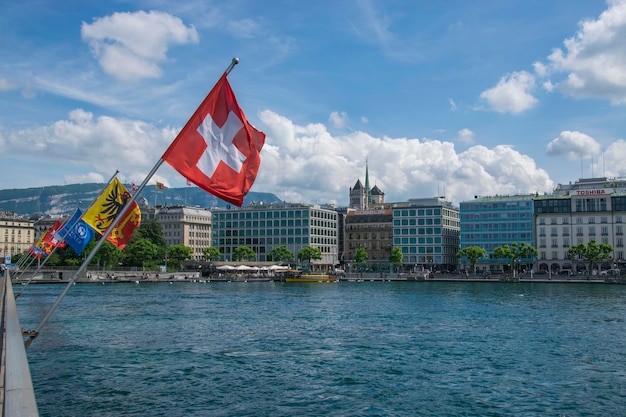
457	98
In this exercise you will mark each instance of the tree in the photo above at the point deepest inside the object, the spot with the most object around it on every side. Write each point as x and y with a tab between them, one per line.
107	256
153	231
309	253
396	256
360	255
280	253
591	252
516	252
178	253
243	253
211	253
473	254
141	252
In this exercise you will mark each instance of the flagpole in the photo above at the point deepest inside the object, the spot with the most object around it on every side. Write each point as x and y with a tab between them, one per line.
68	232
234	62
120	215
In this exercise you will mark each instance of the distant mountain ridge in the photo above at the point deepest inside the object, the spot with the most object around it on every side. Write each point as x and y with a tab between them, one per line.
63	199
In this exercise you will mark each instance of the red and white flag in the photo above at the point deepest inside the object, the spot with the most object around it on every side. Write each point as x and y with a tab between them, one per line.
218	150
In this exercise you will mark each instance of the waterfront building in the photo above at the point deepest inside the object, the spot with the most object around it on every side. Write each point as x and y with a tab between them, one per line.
189	226
427	232
489	222
17	234
372	230
263	227
589	209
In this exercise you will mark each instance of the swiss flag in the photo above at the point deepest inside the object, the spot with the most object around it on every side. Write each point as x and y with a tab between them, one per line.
218	150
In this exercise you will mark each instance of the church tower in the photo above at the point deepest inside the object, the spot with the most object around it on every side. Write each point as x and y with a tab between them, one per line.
362	197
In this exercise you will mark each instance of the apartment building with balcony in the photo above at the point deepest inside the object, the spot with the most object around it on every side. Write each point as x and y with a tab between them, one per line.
589	209
371	230
17	234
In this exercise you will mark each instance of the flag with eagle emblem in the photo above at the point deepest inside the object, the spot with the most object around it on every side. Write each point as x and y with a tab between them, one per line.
106	208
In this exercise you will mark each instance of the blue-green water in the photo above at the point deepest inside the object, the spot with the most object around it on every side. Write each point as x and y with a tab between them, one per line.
332	349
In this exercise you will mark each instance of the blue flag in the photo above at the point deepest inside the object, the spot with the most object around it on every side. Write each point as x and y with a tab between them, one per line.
76	232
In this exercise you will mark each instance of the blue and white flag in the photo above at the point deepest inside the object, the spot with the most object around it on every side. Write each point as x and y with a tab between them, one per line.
76	232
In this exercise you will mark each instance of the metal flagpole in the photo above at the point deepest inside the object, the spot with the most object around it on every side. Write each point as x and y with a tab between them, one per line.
34	333
55	248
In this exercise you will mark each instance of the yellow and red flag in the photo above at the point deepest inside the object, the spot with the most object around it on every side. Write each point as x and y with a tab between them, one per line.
106	208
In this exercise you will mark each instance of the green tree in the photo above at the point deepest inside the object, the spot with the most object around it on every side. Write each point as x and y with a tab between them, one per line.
211	253
243	253
591	252
396	256
141	252
473	254
107	257
178	253
360	255
516	252
309	253
280	253
153	231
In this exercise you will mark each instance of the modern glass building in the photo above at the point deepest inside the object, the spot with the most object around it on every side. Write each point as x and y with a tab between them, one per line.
265	227
427	232
489	222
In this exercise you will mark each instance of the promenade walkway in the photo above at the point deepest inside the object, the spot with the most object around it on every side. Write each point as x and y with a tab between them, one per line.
17	396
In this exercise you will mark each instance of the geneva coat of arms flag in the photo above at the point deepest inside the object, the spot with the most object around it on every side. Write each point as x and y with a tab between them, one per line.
218	150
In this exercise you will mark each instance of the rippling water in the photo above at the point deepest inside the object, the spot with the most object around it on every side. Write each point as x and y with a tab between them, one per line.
335	349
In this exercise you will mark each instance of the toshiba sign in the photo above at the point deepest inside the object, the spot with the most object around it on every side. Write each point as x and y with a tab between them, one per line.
592	192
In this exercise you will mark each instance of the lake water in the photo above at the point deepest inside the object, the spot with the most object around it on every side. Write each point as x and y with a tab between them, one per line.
329	349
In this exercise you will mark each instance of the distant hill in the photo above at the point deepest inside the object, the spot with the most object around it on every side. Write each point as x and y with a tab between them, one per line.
63	199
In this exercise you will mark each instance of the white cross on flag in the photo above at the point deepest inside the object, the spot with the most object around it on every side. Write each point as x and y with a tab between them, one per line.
218	150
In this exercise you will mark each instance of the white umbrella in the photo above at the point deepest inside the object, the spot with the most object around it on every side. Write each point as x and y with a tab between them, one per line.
244	268
225	268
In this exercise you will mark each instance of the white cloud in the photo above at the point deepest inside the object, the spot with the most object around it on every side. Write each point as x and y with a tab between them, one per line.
540	69
100	144
244	28
5	85
573	145
298	163
90	177
512	94
465	136
338	119
131	45
323	167
613	159
452	104
594	59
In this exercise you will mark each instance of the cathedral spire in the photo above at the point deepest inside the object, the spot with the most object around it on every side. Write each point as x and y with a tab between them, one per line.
368	196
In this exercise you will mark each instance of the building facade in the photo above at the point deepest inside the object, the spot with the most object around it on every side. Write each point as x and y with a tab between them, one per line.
490	222
265	227
371	230
189	226
17	234
427	232
590	209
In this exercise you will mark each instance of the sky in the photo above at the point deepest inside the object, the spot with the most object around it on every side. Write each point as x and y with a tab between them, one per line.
456	98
